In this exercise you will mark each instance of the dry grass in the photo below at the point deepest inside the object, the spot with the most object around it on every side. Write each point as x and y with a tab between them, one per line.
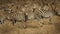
33	24
7	28
33	27
20	25
56	21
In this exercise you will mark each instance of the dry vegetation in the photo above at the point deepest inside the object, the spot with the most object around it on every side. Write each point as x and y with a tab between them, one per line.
33	27
39	25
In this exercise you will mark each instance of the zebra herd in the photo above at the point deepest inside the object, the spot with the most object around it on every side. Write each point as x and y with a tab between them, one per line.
24	13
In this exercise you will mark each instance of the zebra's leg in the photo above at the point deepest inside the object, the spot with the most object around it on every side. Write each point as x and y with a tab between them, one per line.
1	21
13	21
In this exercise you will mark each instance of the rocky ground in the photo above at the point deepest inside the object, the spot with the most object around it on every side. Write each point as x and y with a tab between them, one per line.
29	16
